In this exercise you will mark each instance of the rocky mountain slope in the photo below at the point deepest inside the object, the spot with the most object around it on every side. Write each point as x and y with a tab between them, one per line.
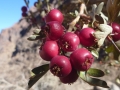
18	57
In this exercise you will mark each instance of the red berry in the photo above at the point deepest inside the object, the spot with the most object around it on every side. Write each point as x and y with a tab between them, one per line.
77	32
69	41
86	37
35	4
60	66
49	50
71	78
54	15
81	59
116	30
24	9
55	30
24	14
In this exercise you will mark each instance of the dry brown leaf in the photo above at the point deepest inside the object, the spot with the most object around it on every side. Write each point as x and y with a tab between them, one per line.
113	8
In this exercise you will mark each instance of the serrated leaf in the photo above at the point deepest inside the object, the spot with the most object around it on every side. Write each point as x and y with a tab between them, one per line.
39	72
93	81
39	69
95	72
33	37
95	53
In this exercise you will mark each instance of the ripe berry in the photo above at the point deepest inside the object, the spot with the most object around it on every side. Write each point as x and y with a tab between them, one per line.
77	32
49	50
81	59
24	14
69	41
116	30
54	15
71	78
60	66
35	4
86	37
55	30
24	9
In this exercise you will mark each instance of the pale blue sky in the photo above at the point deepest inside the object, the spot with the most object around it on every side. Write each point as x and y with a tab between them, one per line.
10	12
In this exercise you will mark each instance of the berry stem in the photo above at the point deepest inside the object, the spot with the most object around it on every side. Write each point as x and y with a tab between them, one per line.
109	37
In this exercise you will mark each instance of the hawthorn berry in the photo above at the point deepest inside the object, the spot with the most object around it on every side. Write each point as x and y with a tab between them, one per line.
35	4
54	15
86	37
71	78
24	14
24	9
81	59
116	30
56	30
69	41
60	66
49	50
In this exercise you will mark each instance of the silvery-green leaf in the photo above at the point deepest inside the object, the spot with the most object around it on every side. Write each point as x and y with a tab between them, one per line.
94	6
76	12
95	53
37	31
33	37
103	16
99	8
101	35
105	28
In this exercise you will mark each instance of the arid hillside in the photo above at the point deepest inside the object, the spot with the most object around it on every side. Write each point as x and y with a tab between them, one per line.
18	57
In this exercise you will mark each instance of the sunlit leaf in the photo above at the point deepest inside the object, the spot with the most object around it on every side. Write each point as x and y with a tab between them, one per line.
95	72
37	31
95	53
93	81
33	37
99	8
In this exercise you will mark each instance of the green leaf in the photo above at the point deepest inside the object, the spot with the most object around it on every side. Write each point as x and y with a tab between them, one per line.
39	69
76	12
95	53
95	72
39	72
37	31
93	81
110	49
33	37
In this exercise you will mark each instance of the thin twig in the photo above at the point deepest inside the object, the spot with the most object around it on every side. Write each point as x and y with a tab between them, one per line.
81	12
113	43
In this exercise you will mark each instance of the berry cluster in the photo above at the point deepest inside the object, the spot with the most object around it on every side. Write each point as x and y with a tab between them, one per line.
70	45
59	41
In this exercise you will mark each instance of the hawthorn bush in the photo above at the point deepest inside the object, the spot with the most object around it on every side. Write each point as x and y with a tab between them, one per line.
72	34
